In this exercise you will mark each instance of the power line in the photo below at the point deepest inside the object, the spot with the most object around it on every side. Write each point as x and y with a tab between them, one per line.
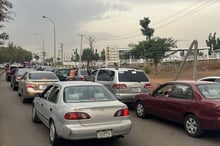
199	8
181	15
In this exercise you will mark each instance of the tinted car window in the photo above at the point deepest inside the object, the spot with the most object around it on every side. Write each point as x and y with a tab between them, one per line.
106	75
53	94
87	94
132	76
83	72
37	76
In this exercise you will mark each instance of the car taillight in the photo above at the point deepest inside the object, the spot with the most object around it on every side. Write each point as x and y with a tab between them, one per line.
9	71
119	86
122	112
148	85
81	79
30	86
76	116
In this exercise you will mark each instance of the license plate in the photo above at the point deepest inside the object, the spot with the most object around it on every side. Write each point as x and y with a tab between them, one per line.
104	134
42	87
136	89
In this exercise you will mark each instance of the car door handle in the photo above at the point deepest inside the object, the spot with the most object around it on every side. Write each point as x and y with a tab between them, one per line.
51	109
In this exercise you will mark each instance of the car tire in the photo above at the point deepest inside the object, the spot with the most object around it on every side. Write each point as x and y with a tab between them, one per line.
192	126
140	110
54	139
34	115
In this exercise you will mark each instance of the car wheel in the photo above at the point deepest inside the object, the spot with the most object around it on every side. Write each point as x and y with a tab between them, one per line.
53	135
192	126
140	110
34	115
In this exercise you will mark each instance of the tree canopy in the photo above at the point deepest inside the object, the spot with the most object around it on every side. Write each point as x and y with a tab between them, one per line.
13	53
5	16
153	48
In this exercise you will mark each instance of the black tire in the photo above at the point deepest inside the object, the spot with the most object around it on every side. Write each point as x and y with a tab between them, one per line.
54	139
34	115
140	110
192	126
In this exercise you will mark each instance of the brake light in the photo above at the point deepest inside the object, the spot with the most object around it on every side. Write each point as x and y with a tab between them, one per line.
81	79
147	85
9	71
76	116
30	86
122	112
119	86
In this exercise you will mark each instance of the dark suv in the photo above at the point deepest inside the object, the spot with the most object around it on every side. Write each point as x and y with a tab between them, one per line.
11	70
125	83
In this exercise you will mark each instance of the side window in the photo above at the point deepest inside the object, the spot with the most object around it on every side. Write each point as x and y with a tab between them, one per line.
53	96
164	90
182	92
46	92
105	75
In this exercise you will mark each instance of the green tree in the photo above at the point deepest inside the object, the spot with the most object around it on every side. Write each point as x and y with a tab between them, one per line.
103	55
96	55
5	16
36	56
88	56
13	53
155	48
146	30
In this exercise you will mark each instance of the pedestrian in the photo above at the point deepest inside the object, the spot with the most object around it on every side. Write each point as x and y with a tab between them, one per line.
73	73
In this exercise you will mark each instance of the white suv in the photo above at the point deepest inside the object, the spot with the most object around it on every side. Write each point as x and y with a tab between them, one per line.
125	83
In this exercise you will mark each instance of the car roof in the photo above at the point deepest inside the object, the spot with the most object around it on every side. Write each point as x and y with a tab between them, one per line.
210	77
192	82
38	71
121	69
77	83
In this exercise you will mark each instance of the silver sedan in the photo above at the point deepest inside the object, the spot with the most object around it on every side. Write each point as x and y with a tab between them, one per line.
80	110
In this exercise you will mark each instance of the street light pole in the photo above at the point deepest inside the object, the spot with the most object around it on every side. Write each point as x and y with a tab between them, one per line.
43	52
54	32
80	51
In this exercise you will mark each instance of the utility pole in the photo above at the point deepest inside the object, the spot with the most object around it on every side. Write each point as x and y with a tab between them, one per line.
61	46
80	51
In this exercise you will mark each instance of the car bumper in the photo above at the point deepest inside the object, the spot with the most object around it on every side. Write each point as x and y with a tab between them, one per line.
31	94
77	132
127	98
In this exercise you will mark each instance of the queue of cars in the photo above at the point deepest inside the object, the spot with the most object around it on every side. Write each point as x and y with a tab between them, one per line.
96	105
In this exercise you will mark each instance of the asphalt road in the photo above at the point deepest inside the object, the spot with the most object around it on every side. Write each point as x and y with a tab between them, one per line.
17	129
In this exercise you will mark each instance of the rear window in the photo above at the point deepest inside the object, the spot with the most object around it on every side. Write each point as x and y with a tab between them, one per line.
87	94
41	76
132	76
83	72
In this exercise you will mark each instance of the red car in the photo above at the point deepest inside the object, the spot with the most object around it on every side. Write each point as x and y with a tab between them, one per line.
195	104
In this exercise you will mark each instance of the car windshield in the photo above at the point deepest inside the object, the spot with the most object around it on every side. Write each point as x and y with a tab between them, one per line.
132	76
87	94
41	76
83	72
210	91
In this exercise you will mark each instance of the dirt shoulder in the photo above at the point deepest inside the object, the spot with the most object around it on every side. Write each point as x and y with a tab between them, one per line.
186	75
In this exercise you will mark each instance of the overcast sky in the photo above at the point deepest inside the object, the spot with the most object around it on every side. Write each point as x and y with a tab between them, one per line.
111	22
